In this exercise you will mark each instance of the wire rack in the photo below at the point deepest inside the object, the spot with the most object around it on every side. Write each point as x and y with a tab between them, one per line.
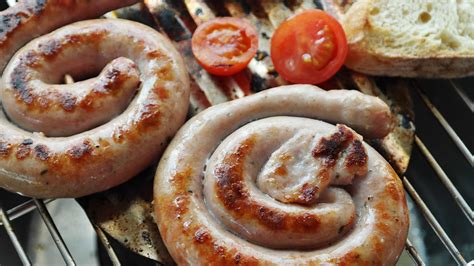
455	88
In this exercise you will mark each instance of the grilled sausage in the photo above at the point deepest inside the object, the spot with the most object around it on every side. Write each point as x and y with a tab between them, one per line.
73	140
261	180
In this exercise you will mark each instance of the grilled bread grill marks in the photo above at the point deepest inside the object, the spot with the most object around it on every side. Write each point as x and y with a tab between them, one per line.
138	100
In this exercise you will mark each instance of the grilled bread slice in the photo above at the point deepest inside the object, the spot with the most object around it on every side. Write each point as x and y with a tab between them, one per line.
411	38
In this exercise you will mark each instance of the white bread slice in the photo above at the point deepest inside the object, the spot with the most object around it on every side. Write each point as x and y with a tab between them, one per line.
411	38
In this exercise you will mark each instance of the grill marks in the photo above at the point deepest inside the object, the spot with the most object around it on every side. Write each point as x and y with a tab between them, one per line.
81	150
210	247
64	110
233	194
67	102
19	79
48	50
5	149
42	152
329	149
23	150
356	159
109	84
8	23
27	149
52	47
342	145
13	18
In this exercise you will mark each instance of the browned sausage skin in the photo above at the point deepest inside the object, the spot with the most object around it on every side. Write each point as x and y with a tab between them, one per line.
106	130
262	181
29	19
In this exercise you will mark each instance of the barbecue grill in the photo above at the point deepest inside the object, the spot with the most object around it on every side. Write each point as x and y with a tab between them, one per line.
438	180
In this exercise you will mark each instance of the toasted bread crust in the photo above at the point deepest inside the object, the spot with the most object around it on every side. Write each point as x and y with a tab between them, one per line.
364	57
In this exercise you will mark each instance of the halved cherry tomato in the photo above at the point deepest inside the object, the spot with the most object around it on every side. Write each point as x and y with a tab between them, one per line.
309	47
224	46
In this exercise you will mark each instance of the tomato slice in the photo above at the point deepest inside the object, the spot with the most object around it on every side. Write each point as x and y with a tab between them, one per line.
309	47
225	45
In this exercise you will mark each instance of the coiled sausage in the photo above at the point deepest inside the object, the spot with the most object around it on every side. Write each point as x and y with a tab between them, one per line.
73	140
262	181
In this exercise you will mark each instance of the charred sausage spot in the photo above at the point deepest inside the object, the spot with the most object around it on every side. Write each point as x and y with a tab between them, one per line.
31	59
19	79
148	117
357	155
8	22
329	148
81	150
229	175
50	48
5	148
111	80
42	152
39	6
341	145
68	102
309	194
23	151
273	219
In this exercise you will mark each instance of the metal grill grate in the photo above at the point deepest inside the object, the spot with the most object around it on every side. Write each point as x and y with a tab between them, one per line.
455	88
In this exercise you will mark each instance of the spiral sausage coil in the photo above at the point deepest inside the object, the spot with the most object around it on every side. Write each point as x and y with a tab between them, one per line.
70	140
263	181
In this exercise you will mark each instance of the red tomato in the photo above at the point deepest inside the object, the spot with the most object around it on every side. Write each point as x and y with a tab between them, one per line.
309	47
224	46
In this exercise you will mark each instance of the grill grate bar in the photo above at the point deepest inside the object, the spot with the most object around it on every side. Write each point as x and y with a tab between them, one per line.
22	209
454	136
13	238
463	96
414	253
108	247
446	181
53	230
448	243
